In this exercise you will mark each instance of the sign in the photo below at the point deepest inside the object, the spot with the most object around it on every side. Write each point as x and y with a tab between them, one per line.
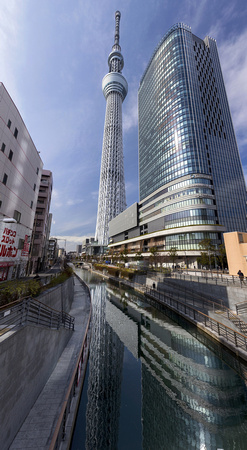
25	250
8	247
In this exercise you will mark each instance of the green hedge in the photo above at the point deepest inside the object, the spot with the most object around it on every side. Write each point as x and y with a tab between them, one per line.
60	278
14	290
10	291
115	271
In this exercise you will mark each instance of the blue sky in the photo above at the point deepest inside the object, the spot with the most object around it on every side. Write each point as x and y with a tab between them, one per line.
53	57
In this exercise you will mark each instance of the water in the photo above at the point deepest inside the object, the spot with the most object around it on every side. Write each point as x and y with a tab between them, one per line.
153	385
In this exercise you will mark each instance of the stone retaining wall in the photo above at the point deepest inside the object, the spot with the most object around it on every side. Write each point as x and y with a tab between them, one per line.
27	359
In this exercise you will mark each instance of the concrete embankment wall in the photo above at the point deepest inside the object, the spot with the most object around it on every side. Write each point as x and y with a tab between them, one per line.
231	295
27	359
60	297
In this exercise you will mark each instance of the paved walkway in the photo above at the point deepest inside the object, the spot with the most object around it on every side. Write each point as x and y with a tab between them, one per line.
38	428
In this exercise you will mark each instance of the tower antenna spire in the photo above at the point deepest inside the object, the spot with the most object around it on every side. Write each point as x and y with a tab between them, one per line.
117	23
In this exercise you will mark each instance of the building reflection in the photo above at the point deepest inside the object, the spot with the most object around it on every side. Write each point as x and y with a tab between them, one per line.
105	376
190	397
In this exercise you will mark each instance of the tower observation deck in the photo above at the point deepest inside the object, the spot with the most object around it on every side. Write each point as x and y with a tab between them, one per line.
112	198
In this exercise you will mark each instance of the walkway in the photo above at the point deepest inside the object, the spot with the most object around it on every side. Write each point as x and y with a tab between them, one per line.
38	428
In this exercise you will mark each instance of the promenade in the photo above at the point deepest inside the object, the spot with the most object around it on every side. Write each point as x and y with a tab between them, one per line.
39	426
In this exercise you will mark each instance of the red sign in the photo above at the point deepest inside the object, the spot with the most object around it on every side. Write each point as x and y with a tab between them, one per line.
7	245
25	250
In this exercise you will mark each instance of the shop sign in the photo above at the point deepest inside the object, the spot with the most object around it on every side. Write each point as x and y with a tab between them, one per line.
25	250
8	248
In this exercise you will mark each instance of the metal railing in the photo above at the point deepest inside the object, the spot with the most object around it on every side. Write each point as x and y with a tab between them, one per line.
32	312
241	308
78	373
217	279
234	337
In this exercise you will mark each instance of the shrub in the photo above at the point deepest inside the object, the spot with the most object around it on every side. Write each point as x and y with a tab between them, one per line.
14	290
127	273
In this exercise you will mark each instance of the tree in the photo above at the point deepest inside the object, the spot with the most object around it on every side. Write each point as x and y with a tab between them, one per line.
222	256
123	255
138	256
153	257
173	255
207	249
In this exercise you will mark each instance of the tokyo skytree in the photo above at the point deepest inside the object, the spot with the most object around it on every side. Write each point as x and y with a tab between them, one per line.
112	198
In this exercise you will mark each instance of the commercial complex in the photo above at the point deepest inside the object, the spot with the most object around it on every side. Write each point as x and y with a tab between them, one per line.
112	198
20	174
190	174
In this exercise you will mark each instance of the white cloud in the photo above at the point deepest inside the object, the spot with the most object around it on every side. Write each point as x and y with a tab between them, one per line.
69	242
235	74
130	114
10	35
74	201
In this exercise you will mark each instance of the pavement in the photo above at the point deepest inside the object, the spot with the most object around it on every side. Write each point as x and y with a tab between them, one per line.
38	428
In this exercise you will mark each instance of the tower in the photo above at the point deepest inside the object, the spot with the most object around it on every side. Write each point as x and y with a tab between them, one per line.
112	199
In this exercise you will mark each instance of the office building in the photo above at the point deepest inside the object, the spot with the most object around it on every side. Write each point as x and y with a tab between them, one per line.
112	197
42	225
190	174
20	173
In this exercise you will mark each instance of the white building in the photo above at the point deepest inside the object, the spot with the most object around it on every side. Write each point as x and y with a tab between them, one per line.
20	173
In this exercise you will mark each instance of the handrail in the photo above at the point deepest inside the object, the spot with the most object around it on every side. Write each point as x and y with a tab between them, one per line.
234	337
223	280
241	307
60	430
204	301
34	312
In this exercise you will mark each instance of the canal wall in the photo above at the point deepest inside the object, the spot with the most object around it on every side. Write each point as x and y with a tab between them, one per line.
27	359
59	297
230	295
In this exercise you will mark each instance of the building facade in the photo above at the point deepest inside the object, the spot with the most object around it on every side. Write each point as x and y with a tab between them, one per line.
20	174
112	197
190	174
236	252
42	225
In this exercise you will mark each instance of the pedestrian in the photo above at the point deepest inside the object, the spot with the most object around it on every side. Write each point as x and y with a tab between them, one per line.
241	275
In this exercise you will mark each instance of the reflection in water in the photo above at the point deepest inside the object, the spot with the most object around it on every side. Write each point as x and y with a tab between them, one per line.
190	398
105	375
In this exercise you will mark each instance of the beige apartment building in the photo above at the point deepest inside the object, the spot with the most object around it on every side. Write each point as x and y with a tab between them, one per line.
236	252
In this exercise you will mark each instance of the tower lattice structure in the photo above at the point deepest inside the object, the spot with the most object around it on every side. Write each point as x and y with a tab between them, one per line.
112	197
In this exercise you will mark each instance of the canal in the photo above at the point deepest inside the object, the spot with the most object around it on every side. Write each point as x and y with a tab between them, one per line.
153	384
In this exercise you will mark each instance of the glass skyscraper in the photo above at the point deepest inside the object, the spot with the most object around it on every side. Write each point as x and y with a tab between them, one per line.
191	179
190	171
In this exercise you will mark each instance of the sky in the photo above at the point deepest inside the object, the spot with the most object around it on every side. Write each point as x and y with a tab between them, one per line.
53	57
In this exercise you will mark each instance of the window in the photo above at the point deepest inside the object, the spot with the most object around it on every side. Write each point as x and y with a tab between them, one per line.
9	124
3	147
10	155
16	133
31	204
21	244
240	238
5	177
34	186
37	171
17	216
0	203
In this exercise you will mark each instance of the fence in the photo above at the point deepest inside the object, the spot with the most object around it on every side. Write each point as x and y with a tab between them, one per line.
78	373
217	279
32	312
234	337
